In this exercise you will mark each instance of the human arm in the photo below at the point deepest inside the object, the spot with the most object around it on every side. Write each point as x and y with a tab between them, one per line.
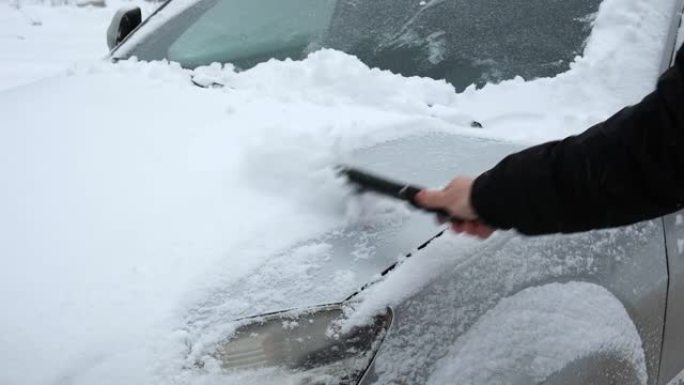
624	170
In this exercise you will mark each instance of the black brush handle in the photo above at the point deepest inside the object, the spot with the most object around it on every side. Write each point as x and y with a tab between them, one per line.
387	187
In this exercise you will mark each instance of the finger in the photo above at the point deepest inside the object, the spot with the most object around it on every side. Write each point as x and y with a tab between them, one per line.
470	227
483	231
457	227
431	199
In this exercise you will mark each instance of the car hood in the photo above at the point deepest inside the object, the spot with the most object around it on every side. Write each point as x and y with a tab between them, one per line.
135	204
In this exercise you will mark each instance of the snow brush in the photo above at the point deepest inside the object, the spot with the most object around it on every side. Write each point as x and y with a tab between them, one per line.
365	181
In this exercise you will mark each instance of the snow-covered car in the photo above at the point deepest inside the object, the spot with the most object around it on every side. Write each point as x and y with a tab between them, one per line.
174	214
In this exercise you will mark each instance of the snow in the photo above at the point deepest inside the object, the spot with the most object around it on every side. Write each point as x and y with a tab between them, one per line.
678	379
680	35
39	40
129	233
142	220
542	329
122	230
632	32
611	73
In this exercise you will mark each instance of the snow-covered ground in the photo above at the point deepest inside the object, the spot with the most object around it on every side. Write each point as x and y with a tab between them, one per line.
39	40
115	225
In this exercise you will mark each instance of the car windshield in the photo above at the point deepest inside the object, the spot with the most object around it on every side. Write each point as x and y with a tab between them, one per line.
463	41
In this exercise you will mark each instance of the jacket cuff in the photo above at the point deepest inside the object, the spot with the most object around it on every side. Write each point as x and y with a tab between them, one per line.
487	202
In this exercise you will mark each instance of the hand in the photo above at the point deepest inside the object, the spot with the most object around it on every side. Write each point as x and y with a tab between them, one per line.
455	199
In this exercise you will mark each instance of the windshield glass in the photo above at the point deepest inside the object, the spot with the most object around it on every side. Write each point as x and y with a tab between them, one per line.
463	41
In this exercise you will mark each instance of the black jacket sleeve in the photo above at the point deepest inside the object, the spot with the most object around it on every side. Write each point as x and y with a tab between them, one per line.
624	170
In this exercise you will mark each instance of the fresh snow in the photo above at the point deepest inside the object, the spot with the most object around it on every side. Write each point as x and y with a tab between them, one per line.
619	66
678	380
116	224
38	40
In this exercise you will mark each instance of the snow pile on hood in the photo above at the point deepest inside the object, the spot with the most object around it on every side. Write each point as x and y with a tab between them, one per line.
144	209
540	330
333	78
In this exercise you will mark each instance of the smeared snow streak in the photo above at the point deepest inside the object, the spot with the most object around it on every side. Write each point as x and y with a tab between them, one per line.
540	330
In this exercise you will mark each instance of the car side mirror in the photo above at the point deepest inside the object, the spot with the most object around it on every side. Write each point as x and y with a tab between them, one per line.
123	23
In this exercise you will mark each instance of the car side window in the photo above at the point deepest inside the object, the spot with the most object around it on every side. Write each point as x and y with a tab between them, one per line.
247	32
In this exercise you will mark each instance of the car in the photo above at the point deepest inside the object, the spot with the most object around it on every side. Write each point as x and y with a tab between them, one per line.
181	218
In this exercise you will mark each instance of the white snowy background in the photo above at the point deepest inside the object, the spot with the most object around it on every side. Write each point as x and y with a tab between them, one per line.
39	39
83	306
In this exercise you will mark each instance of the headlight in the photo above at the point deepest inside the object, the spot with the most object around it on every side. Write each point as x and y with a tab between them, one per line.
305	346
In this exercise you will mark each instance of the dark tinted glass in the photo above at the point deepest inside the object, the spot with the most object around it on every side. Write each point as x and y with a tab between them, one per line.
462	41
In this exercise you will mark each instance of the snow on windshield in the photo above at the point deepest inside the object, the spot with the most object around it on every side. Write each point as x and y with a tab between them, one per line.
198	193
461	41
619	66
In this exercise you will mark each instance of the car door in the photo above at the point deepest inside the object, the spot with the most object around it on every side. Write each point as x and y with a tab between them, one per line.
673	342
672	359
